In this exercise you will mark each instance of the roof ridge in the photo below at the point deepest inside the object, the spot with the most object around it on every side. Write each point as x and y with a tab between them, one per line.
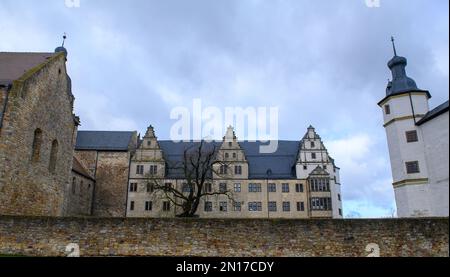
4	52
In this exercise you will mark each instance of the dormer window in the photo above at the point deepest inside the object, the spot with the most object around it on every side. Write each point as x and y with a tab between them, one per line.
313	156
387	109
149	143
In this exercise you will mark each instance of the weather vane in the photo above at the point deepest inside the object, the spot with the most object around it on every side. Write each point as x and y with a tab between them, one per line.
393	45
64	39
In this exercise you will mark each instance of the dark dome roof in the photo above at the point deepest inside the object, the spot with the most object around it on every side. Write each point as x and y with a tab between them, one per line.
397	60
400	81
61	49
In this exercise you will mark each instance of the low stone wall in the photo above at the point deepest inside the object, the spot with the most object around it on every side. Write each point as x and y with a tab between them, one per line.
36	236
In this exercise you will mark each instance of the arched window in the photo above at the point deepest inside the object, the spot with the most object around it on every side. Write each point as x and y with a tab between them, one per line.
37	143
53	156
74	183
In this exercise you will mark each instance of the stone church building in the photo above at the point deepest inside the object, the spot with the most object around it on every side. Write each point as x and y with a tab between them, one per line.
37	133
49	168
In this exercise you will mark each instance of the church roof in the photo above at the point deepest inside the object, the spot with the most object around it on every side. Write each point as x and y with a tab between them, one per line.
281	163
434	113
104	140
80	169
14	65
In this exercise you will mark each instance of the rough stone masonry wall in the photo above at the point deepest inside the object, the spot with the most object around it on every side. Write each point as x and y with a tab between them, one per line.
223	237
111	175
80	195
40	99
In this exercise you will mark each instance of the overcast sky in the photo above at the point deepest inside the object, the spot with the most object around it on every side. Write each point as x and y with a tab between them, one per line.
321	62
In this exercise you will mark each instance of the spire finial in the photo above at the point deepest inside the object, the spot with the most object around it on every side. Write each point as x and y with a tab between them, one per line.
64	39
393	45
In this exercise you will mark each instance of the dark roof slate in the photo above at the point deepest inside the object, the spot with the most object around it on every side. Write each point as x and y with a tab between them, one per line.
434	113
103	140
281	163
14	65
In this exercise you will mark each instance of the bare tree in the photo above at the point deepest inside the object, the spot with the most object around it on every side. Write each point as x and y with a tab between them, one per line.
198	167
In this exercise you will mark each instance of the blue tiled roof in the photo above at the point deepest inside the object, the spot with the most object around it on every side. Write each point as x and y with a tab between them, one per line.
281	163
103	140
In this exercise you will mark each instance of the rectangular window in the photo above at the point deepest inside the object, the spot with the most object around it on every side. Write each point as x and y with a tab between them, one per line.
150	188
300	206
223	169
223	188
140	169
132	206
223	206
412	167
237	187
285	188
208	206
286	206
153	169
299	188
313	144
166	206
133	187
168	186
339	197
387	109
254	187
185	187
208	188
319	184
321	204
313	156
237	206
305	167
238	170
272	206
148	205
272	187
411	136
255	206
340	212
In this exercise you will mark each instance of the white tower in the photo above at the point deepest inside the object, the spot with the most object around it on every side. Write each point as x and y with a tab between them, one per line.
403	106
